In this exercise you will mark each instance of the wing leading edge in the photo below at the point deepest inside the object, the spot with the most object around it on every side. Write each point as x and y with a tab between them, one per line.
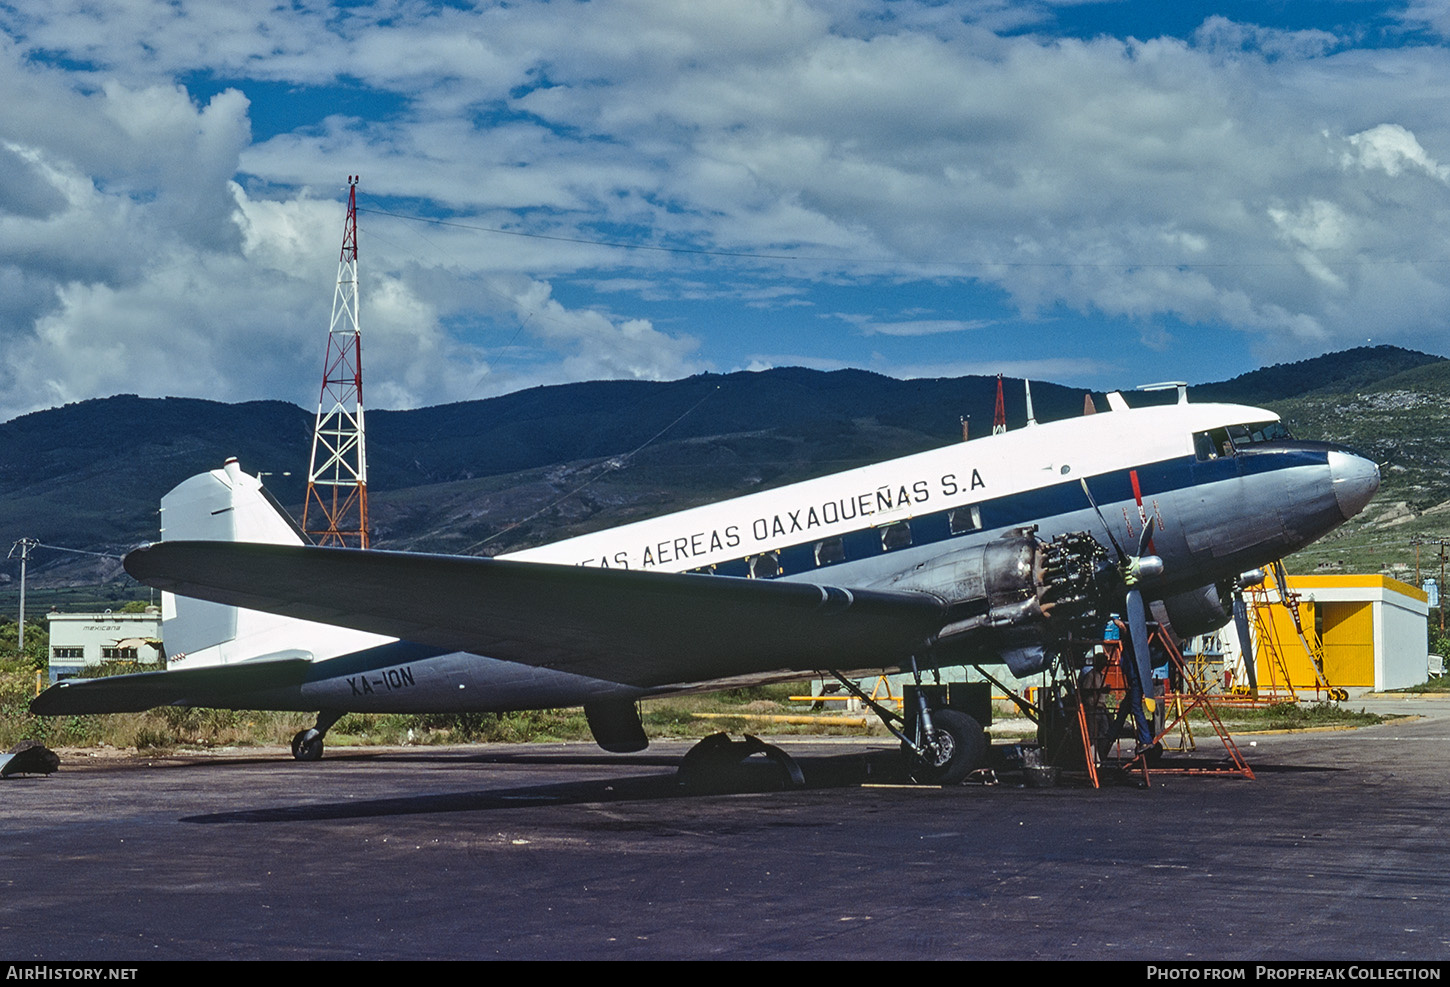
638	628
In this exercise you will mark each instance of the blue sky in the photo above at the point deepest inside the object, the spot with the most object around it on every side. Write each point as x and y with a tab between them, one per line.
1096	193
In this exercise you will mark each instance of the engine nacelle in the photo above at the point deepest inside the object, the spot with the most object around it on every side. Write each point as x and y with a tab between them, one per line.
1016	594
1199	611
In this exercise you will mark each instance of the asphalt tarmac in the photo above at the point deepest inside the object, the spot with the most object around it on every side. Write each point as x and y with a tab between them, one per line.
1337	851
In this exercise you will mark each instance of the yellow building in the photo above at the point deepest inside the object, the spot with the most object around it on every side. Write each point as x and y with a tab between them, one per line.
1369	631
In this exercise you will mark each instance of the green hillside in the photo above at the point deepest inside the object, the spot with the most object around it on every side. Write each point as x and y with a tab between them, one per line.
1403	423
490	476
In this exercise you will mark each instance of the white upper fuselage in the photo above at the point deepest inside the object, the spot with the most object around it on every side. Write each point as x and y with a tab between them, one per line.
903	548
1217	507
953	476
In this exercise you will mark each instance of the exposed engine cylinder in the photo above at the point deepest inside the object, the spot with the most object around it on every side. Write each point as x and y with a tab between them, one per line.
1024	592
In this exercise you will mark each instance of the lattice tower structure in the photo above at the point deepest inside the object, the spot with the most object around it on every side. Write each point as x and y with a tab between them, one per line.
336	510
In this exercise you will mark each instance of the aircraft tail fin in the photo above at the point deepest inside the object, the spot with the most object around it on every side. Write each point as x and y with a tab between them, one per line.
230	505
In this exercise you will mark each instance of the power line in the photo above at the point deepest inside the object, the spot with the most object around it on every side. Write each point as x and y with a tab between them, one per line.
79	551
610	466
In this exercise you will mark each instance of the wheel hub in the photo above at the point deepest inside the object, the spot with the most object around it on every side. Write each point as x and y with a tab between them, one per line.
941	749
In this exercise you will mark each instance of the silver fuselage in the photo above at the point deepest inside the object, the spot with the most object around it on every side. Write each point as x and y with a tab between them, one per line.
1216	512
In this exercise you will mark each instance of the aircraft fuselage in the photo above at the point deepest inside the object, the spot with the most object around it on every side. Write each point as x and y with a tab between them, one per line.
1219	504
932	538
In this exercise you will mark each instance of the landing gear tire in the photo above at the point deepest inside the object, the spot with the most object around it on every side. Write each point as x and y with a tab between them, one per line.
959	747
307	745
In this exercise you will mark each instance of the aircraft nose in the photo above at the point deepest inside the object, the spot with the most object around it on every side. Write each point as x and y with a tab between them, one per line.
1355	480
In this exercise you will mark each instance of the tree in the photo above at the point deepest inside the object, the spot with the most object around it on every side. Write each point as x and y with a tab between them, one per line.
37	642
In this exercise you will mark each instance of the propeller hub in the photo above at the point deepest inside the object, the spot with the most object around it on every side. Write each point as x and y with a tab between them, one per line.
1141	568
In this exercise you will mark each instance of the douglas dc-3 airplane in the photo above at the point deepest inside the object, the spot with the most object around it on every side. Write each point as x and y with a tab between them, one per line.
993	550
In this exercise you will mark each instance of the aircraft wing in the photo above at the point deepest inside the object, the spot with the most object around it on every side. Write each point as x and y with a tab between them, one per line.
634	627
216	685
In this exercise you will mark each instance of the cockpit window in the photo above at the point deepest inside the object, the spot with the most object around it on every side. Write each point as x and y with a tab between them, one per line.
1248	435
1219	442
1212	445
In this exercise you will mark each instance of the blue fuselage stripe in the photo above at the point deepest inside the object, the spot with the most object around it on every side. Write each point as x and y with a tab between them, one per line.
1065	497
1012	510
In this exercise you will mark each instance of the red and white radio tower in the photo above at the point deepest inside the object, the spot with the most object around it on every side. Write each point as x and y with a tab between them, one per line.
336	511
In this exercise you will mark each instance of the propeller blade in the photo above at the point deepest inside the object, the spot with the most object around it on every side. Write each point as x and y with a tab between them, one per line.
1133	569
1146	536
1122	556
1137	614
1246	640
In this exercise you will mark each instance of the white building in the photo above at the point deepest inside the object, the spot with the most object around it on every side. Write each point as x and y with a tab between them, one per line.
81	639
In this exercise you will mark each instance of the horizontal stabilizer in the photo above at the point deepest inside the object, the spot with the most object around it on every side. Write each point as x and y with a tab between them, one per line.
215	685
628	626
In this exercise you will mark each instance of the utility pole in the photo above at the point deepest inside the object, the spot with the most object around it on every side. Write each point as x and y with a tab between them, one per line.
24	546
336	509
1442	586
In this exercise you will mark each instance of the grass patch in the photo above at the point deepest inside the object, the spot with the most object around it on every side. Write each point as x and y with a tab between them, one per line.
174	728
748	710
460	728
1440	683
1291	716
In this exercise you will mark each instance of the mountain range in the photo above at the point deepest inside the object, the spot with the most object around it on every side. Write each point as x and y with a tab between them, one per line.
483	477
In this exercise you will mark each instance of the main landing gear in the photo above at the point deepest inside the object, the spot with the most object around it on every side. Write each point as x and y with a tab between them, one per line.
307	744
941	741
947	751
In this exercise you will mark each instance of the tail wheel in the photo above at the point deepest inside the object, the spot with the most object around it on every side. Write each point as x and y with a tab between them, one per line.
958	747
307	745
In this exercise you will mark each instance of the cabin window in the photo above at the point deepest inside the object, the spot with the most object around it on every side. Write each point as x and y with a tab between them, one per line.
964	519
765	565
59	652
118	654
895	535
829	551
